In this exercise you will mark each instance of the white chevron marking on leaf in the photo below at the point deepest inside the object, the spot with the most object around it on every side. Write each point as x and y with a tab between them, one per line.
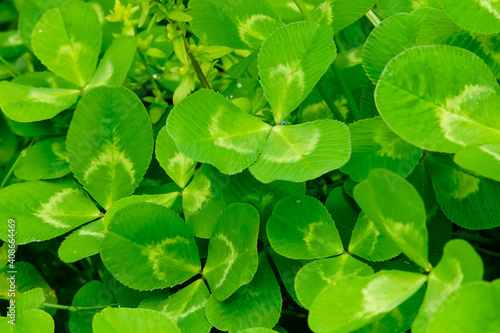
52	208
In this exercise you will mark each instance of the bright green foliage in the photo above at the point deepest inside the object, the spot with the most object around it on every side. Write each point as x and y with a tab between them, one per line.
257	304
368	242
484	160
241	26
25	321
457	111
460	193
209	128
396	209
186	308
399	319
92	294
303	152
115	63
82	243
460	265
232	254
243	187
112	320
486	18
178	166
202	201
24	103
52	209
344	212
319	165
31	299
67	40
315	276
291	62
302	228
287	270
437	28
110	143
402	30
166	200
46	159
352	303
374	145
346	12
472	308
30	279
162	244
390	7
31	12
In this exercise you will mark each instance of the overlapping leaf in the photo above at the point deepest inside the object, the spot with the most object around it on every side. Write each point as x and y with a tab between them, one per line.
460	193
486	18
315	276
424	101
162	244
115	63
110	143
51	209
484	160
302	228
257	304
24	103
241	25
46	159
82	243
397	209
232	254
352	303
209	128
472	308
291	62
374	145
186	308
126	320
460	265
303	152
369	243
202	200
67	40
178	166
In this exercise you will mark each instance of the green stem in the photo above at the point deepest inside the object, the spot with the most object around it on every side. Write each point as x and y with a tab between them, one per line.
347	92
491	253
11	170
76	308
326	94
343	83
12	69
373	18
196	65
303	10
150	74
473	237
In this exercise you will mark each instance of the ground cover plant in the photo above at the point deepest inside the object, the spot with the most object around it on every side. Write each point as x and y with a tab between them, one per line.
250	166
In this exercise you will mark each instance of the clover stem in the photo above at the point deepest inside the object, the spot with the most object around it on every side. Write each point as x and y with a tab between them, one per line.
196	65
373	18
303	10
347	92
325	93
11	170
76	308
12	69
150	74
